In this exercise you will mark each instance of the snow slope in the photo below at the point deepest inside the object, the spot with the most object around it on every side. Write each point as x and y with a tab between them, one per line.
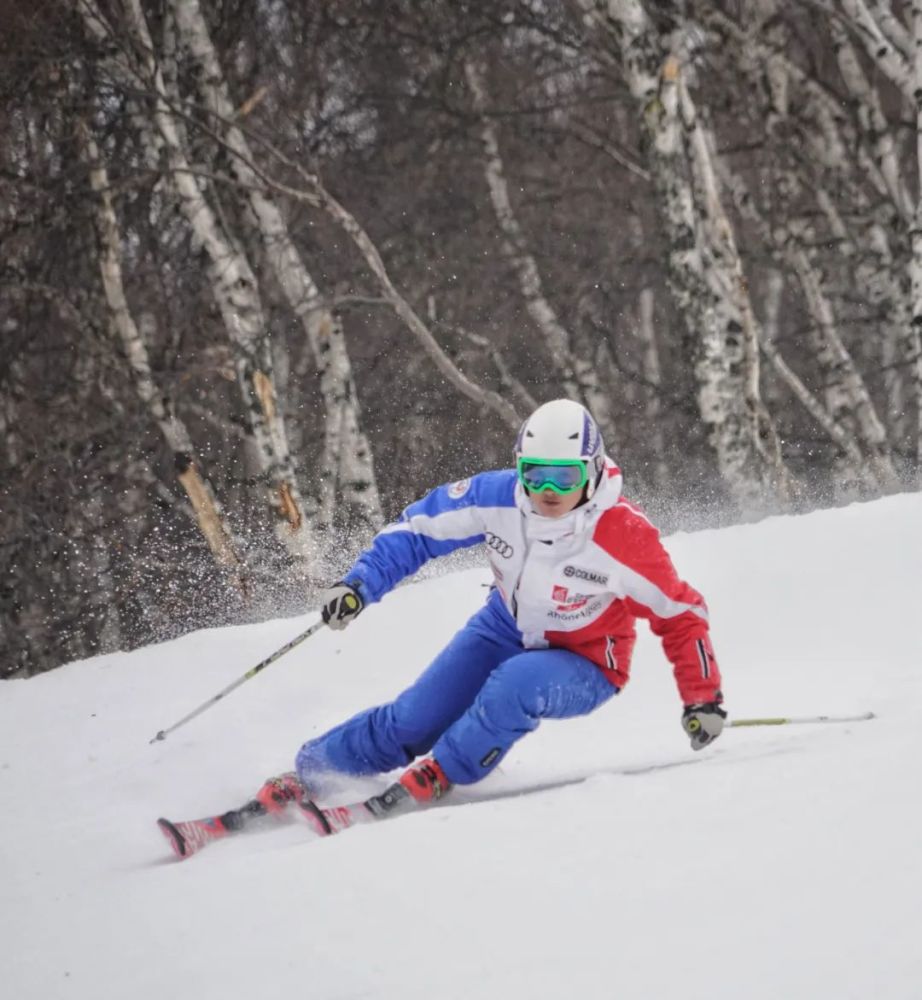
782	862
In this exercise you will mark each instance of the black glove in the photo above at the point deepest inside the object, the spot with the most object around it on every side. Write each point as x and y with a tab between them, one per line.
340	605
703	723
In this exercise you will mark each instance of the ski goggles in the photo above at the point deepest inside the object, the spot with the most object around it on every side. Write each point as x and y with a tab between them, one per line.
563	476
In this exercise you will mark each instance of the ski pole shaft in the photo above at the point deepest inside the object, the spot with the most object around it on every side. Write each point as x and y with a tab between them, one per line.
801	720
162	735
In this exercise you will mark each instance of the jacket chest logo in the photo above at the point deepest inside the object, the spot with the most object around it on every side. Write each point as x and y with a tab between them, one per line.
566	601
590	576
499	545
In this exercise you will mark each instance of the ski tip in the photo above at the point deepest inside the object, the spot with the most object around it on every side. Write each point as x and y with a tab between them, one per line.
176	840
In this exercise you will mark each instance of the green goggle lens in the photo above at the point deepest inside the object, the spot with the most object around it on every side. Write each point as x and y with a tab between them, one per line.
561	476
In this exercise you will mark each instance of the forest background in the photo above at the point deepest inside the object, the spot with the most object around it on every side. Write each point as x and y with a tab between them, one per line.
271	269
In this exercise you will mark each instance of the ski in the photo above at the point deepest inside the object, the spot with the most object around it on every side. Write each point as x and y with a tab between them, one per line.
188	837
287	797
335	819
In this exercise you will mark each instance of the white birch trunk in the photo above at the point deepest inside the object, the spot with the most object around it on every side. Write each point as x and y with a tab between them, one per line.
901	339
897	54
842	383
358	491
848	399
318	196
871	118
879	46
758	446
815	408
752	51
347	453
645	332
769	347
198	489
236	294
703	280
891	26
914	334
877	272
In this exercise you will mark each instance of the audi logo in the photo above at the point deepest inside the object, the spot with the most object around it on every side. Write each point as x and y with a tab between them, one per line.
499	545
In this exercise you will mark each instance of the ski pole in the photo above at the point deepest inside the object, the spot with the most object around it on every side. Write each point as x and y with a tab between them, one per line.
801	720
162	735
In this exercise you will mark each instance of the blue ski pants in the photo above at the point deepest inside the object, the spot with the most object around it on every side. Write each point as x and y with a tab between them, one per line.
483	692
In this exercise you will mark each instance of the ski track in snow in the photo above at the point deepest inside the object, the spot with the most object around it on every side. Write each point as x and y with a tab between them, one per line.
604	858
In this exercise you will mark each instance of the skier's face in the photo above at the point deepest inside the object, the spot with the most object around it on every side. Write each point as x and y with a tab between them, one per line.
547	503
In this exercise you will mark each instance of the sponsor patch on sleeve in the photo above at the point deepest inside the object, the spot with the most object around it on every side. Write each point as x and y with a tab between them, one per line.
458	489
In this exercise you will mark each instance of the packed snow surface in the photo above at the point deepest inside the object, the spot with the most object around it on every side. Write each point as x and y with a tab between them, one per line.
782	862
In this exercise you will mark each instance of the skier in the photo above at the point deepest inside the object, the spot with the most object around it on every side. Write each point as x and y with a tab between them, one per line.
574	565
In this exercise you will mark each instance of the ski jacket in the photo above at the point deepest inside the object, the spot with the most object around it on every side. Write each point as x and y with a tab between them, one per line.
576	582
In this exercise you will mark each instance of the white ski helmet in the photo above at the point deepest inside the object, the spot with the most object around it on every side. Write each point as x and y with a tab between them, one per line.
563	431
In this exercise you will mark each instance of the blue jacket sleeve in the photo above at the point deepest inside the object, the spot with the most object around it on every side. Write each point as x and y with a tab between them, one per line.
451	517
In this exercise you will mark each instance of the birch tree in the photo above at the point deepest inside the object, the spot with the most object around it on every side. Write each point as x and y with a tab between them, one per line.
848	402
233	283
313	192
346	469
859	161
764	172
705	271
645	331
198	489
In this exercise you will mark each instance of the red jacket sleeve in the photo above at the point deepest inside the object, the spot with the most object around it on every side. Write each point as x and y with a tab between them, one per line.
676	611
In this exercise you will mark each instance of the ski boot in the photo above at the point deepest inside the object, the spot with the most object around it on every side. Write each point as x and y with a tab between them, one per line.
425	781
278	793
